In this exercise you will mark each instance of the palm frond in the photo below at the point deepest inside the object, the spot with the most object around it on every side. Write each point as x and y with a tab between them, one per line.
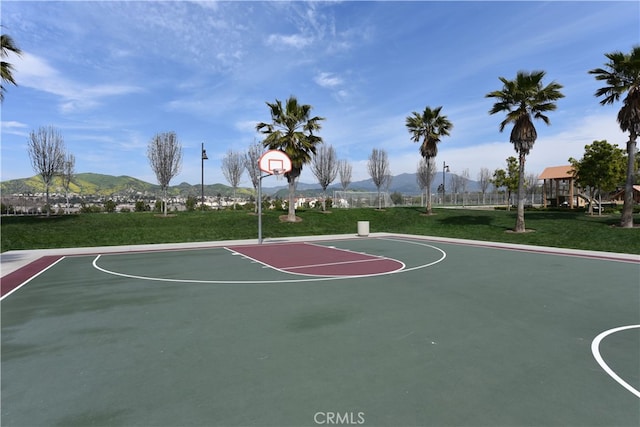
428	126
621	74
521	99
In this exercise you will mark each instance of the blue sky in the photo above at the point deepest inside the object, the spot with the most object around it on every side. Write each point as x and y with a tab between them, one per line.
109	75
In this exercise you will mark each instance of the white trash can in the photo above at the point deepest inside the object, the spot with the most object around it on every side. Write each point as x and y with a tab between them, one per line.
363	228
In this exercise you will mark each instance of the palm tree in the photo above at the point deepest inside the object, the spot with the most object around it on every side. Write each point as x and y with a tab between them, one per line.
428	127
622	74
292	131
522	99
6	71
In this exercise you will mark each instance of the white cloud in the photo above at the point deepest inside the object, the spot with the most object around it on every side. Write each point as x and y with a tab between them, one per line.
248	126
551	149
207	4
282	41
328	80
14	128
37	74
207	69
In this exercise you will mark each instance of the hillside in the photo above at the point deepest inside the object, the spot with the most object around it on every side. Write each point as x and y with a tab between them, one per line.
405	183
109	186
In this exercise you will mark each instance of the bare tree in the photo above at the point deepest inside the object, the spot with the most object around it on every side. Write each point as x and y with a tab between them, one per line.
484	178
344	170
68	170
324	166
232	168
454	187
165	156
251	158
464	181
378	166
46	151
387	182
425	173
531	182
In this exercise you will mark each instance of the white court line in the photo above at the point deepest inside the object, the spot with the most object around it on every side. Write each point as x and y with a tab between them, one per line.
297	267
595	349
299	280
31	278
341	262
349	251
286	270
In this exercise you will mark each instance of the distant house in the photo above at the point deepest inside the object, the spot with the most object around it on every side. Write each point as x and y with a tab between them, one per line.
618	197
558	188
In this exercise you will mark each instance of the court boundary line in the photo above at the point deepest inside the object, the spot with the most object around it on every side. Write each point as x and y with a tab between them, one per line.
28	257
32	277
547	250
595	350
31	255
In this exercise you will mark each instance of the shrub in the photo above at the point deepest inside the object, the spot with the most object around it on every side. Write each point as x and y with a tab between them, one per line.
110	206
191	203
90	209
140	206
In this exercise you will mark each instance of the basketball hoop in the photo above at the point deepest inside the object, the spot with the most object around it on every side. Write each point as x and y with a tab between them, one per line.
272	162
275	162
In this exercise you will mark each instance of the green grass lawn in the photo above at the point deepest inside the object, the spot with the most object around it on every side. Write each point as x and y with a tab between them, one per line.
568	229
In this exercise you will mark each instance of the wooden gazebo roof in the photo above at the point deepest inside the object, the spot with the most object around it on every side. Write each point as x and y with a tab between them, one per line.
557	172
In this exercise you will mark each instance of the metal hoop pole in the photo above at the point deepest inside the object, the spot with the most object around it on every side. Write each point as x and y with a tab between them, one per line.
259	201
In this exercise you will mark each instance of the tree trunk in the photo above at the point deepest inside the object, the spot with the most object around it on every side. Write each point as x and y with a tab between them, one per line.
164	202
429	208
599	202
520	227
291	217
46	201
627	209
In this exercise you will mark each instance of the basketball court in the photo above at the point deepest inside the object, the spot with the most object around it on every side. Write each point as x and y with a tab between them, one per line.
379	330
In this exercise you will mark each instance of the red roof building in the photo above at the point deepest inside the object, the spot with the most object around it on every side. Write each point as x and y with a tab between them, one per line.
558	187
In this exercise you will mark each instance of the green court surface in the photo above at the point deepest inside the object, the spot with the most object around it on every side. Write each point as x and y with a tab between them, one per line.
465	335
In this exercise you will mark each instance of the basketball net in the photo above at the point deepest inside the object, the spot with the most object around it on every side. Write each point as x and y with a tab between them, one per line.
278	173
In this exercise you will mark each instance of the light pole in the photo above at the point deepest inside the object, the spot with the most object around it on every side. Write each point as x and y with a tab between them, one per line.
445	168
202	159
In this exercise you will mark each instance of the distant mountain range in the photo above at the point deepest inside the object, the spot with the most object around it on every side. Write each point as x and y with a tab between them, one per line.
108	185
